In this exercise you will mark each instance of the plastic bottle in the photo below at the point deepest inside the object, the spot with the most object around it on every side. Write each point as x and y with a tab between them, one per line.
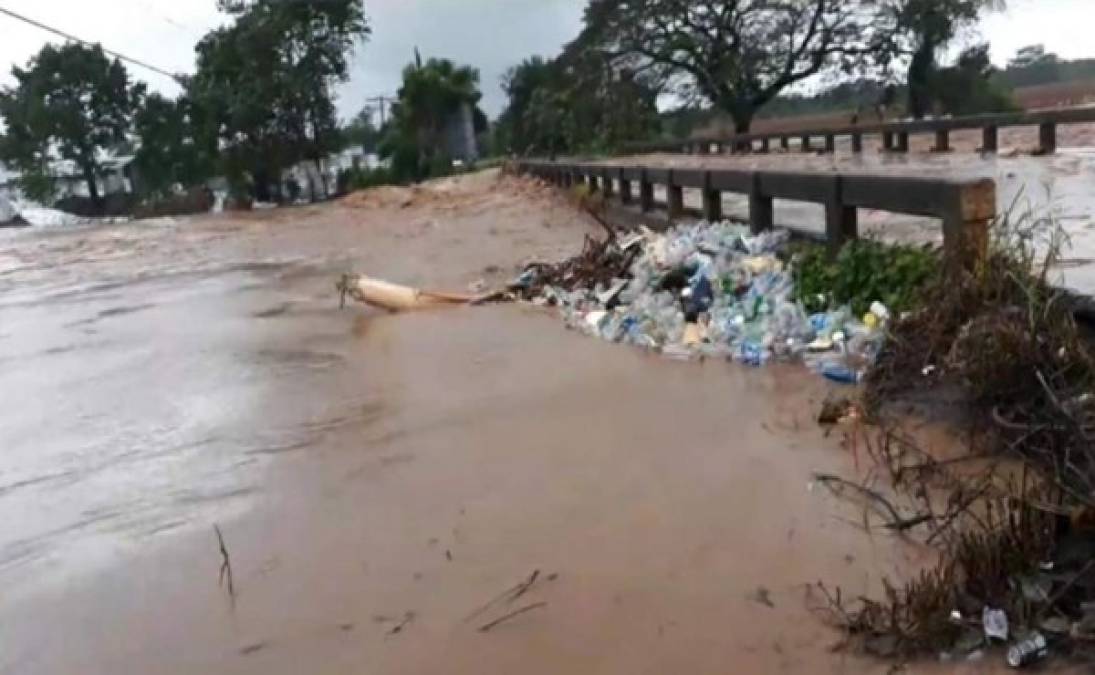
1029	651
753	354
839	372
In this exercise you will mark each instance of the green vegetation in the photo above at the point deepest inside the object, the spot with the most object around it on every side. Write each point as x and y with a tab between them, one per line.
265	82
920	30
174	149
738	56
1033	65
262	99
737	60
862	272
260	102
414	139
968	87
71	103
578	103
360	132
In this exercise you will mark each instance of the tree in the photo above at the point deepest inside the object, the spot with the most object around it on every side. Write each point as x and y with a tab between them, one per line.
1031	55
174	148
737	54
582	101
1033	65
361	132
967	87
431	94
266	82
920	29
71	103
522	84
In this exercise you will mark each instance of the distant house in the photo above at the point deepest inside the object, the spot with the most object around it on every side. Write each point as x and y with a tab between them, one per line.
117	175
325	180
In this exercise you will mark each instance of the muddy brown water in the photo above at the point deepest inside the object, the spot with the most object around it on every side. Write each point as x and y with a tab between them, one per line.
379	477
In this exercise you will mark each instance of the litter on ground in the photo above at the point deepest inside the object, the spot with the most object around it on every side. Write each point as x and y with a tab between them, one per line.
701	290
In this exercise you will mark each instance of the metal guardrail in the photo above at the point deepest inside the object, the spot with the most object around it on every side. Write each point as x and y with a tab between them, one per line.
966	207
895	135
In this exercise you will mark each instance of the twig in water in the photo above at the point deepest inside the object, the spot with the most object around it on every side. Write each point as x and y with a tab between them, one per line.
588	208
226	564
506	617
525	586
1068	586
508	596
961	508
398	628
897	522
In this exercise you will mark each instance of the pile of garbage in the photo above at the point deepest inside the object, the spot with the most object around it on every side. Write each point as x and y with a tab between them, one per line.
704	290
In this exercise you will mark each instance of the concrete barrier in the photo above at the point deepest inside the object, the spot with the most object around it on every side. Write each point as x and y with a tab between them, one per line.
894	135
965	207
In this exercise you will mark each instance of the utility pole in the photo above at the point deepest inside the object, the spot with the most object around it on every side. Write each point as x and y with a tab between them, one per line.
380	102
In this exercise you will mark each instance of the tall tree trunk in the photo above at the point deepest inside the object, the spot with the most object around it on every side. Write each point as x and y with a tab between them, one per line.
92	186
262	185
742	113
318	161
920	71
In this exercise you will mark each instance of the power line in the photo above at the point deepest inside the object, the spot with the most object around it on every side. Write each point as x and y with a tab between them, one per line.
69	36
189	30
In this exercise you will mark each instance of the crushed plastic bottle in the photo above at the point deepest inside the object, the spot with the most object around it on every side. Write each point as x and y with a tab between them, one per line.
1029	651
838	372
721	282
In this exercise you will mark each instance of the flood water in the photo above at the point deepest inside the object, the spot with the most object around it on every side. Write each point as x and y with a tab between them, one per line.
1058	189
379	477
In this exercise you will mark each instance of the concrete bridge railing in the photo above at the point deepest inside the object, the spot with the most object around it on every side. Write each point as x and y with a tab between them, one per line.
965	207
895	135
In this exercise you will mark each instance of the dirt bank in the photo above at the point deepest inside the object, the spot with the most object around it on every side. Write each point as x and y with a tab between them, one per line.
378	478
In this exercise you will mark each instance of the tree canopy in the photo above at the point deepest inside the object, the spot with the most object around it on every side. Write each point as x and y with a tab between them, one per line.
736	54
361	132
582	101
175	146
266	82
431	93
919	30
70	102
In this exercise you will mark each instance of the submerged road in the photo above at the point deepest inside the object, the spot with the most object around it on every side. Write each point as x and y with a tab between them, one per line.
378	478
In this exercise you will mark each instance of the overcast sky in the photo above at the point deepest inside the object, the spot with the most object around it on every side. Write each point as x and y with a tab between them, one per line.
488	34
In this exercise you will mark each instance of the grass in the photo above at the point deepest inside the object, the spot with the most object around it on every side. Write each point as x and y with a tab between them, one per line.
1004	338
864	271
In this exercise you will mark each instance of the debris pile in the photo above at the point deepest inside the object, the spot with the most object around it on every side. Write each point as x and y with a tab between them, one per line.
1016	537
703	290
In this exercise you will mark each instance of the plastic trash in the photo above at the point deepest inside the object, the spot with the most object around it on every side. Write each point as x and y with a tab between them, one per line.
995	623
1029	651
838	372
881	311
395	297
594	320
717	290
753	354
698	297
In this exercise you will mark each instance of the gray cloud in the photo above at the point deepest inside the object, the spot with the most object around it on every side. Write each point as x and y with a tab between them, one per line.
490	35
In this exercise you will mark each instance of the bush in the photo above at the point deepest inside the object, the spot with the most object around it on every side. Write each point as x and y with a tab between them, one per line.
864	271
195	200
350	180
112	205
